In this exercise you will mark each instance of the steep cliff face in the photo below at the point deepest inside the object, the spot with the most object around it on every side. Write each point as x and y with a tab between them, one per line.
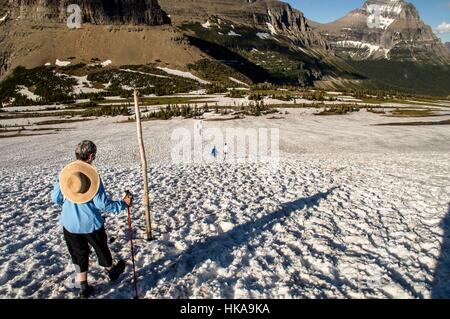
274	17
447	44
93	11
4	50
34	33
30	16
281	18
384	29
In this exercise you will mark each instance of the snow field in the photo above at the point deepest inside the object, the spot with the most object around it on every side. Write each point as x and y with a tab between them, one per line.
353	212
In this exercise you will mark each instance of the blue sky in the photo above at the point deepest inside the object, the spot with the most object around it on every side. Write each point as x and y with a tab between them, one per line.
433	12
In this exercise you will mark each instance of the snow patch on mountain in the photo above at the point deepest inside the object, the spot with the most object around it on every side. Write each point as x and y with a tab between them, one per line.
183	74
62	63
263	35
384	15
145	73
271	29
84	85
385	22
206	25
106	63
127	87
362	45
234	34
303	50
26	92
237	81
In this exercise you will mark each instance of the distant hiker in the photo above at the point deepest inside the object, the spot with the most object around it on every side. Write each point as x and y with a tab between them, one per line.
225	151
200	127
81	194
214	152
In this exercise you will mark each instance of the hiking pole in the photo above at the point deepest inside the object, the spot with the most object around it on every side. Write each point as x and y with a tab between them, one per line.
129	195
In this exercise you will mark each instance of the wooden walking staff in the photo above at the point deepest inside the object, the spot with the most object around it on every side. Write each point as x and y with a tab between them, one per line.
148	222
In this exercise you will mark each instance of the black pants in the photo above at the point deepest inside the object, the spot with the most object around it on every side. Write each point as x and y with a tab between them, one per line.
78	245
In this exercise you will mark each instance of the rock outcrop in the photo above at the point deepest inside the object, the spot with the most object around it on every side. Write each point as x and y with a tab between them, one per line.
146	12
274	17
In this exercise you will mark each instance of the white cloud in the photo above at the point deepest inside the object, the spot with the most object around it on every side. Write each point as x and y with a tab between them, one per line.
444	27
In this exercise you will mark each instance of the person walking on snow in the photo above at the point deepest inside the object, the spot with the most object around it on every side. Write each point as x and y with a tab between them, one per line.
225	151
81	194
214	152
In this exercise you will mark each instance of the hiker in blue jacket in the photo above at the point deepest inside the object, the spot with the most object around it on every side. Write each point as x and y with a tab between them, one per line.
80	193
214	152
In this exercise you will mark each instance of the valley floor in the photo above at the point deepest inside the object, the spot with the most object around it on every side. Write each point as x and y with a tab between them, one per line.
352	211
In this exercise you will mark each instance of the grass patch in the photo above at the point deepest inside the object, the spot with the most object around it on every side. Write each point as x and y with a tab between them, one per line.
160	101
411	113
339	110
236	117
24	135
376	111
53	122
299	106
445	122
216	72
20	115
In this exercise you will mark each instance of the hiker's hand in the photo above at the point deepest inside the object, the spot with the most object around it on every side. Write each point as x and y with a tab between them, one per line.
128	200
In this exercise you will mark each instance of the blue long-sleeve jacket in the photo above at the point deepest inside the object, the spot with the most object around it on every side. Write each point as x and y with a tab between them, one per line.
85	218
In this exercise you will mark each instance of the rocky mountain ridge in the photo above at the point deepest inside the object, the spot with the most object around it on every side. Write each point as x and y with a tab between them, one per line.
384	29
93	11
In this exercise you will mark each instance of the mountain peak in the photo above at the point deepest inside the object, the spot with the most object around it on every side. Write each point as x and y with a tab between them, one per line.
385	29
385	2
382	13
395	5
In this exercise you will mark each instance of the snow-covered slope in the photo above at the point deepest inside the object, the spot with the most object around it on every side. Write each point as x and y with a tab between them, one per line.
372	49
355	211
183	74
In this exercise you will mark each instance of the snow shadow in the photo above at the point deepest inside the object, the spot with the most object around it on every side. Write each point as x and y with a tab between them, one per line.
219	248
440	288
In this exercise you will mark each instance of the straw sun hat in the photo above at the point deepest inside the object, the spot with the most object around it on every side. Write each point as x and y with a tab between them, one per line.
79	182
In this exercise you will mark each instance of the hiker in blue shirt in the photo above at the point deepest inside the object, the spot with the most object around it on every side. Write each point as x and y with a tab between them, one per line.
214	152
80	193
